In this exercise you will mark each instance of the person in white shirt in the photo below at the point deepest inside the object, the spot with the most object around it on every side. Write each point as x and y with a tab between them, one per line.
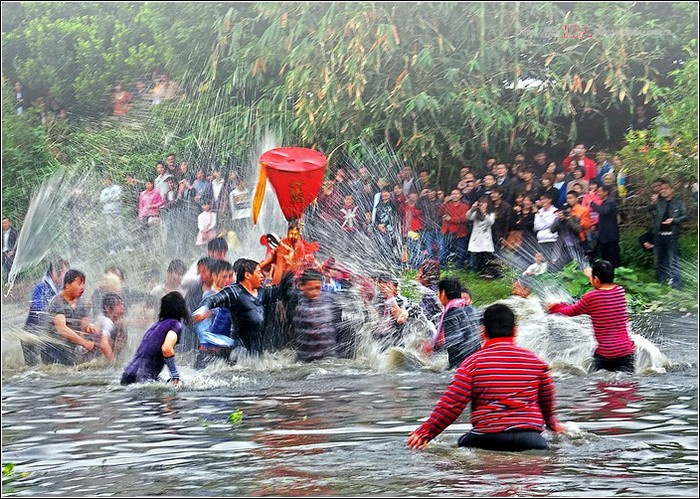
544	220
161	181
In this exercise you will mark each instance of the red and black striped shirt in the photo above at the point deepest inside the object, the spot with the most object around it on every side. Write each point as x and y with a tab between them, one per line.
509	387
608	311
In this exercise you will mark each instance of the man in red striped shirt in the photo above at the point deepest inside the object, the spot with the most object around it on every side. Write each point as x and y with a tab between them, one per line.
607	306
510	390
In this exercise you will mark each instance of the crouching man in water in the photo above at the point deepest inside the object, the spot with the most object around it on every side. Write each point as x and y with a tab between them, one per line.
157	348
457	331
313	319
607	307
68	323
510	390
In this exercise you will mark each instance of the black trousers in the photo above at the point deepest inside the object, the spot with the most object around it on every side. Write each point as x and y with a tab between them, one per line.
624	364
511	441
610	252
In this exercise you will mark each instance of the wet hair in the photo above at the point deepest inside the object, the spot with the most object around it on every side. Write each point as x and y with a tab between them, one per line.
56	264
237	264
217	244
177	267
205	261
604	271
430	269
151	275
246	267
71	276
388	278
221	266
451	287
173	306
499	321
310	275
111	300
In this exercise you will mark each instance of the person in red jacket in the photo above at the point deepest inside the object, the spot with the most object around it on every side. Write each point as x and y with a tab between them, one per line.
607	307
510	390
454	229
578	154
413	230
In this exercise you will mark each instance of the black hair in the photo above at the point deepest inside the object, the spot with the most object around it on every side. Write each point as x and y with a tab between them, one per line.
71	276
594	181
310	275
221	266
580	169
549	195
451	287
237	264
424	170
171	154
604	271
173	306
386	188
177	267
498	189
111	300
246	267
56	264
217	244
573	193
205	261
525	283
664	181
388	278
606	188
499	321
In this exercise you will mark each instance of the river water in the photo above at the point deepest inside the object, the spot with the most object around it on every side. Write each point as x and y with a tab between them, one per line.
340	428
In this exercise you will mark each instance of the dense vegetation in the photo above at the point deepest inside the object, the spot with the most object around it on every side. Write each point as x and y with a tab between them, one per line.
433	80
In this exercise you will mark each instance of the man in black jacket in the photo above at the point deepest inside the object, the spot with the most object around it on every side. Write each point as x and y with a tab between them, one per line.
9	244
608	232
670	213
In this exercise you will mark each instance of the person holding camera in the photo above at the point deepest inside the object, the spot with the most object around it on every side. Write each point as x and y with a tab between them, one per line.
572	222
578	154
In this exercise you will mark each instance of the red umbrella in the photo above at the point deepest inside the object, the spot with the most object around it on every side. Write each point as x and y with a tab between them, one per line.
296	175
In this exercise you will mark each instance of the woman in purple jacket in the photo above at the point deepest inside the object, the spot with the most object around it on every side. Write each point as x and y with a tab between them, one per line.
157	347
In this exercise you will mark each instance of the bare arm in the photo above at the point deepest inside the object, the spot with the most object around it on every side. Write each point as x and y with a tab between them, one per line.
168	347
62	328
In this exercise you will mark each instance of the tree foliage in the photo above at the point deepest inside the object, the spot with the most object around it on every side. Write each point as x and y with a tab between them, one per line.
431	79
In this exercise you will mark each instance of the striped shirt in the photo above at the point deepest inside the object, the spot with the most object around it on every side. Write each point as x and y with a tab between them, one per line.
314	328
608	311
509	387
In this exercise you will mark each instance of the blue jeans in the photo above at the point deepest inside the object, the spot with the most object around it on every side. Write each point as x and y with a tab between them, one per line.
431	238
450	244
667	256
415	252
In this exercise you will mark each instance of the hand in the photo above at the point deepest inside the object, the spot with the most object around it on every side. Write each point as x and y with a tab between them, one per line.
447	218
174	381
89	345
550	307
654	198
401	317
560	215
588	272
92	329
668	221
648	246
517	209
416	441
